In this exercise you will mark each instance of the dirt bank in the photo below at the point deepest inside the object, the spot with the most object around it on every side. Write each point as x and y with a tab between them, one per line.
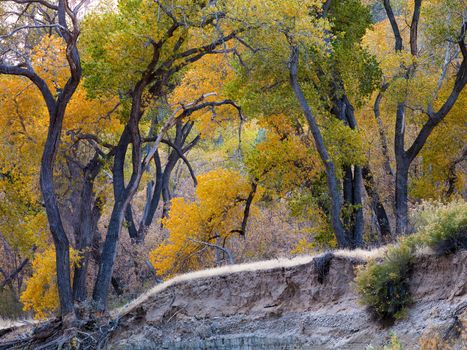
290	305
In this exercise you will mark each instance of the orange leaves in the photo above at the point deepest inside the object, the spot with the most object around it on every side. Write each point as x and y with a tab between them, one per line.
282	160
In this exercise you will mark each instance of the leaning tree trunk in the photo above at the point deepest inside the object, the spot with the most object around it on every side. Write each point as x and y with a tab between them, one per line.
123	195
334	193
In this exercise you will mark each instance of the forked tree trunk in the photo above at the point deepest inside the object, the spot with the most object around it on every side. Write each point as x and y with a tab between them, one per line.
405	157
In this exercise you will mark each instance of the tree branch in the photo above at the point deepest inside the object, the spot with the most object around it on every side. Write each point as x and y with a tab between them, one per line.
14	273
225	250
185	160
414	28
395	27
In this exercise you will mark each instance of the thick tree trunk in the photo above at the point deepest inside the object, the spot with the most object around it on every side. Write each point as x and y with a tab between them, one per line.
81	271
352	180
358	205
89	214
402	174
62	245
84	238
122	194
154	203
377	205
334	193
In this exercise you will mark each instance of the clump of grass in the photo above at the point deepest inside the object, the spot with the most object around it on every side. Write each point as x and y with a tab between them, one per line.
384	286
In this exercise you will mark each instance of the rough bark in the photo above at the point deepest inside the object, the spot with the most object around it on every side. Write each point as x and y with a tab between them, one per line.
56	106
90	212
336	202
402	210
376	204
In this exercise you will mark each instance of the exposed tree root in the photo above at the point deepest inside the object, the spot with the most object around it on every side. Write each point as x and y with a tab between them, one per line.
89	334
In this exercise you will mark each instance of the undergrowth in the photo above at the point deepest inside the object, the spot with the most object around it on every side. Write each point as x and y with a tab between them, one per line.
443	228
384	285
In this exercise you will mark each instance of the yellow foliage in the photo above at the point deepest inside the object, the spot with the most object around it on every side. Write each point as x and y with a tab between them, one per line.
221	195
23	128
41	293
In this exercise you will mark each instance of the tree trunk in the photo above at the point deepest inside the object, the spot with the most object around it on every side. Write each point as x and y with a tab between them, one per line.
154	203
377	205
122	194
62	245
83	241
81	271
130	221
89	214
336	203
358	208
165	187
402	174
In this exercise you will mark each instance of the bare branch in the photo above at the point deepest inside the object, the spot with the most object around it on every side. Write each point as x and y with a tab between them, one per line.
223	249
185	160
42	2
39	26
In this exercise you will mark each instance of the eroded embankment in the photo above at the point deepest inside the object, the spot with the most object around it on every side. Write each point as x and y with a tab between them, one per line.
286	305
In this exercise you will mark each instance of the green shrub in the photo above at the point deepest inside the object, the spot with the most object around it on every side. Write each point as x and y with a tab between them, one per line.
442	227
384	286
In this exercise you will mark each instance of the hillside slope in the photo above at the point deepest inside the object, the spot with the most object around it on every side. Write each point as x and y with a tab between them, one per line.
291	304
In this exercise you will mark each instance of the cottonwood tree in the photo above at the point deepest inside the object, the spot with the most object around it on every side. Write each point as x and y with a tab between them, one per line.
413	69
316	82
345	78
206	76
15	59
24	121
151	44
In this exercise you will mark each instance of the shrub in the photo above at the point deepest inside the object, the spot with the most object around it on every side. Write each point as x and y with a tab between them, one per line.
442	227
384	286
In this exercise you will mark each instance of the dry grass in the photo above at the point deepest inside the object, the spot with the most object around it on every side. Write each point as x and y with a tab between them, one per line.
362	254
254	266
6	323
